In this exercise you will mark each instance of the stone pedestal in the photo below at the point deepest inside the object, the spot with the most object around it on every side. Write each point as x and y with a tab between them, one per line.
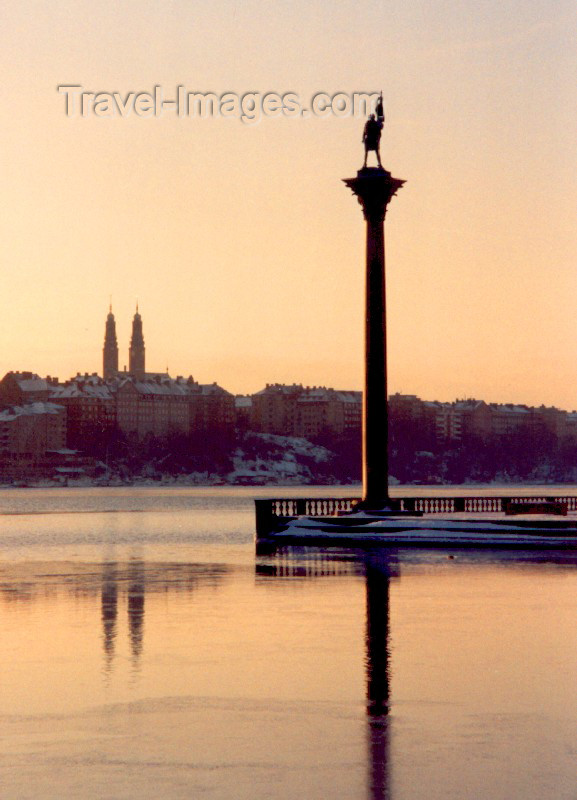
374	188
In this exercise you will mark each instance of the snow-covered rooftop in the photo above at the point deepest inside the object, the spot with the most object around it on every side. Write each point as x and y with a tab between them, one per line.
281	388
169	387
243	401
349	396
30	409
95	390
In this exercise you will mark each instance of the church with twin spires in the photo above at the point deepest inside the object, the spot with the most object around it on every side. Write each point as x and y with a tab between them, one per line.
136	353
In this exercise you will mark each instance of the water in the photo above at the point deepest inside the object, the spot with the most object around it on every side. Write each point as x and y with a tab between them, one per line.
148	653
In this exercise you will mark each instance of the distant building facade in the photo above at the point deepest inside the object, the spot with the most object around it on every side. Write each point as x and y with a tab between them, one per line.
90	405
462	419
160	405
295	410
27	434
19	388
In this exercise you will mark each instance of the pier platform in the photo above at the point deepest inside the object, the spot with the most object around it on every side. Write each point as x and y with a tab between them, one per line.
522	522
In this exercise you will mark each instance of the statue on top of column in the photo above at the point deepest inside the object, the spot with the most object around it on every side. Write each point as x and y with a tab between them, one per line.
372	132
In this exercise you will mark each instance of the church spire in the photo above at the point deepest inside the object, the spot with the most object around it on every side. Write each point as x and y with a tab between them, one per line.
110	349
137	349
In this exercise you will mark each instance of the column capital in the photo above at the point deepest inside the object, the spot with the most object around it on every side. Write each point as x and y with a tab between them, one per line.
374	188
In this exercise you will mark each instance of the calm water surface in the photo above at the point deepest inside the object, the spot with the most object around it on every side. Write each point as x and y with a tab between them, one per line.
147	652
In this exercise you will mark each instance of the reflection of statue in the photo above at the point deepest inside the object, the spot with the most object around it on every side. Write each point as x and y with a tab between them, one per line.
372	132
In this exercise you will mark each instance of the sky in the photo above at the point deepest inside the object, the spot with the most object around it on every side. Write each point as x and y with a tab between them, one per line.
241	243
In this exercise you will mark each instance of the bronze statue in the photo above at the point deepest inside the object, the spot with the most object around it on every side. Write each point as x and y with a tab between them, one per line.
372	132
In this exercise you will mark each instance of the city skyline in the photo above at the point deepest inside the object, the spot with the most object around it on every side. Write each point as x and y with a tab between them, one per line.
112	365
240	241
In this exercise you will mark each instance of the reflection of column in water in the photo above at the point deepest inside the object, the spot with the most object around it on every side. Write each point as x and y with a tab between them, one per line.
109	612
378	571
136	608
377	582
377	662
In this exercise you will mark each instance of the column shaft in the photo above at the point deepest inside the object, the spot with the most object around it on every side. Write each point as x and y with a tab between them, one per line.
375	418
374	188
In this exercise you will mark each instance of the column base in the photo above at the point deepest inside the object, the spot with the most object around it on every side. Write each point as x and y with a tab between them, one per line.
384	507
377	505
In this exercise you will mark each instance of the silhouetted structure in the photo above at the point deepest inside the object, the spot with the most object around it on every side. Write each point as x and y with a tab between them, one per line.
372	132
374	188
110	349
137	350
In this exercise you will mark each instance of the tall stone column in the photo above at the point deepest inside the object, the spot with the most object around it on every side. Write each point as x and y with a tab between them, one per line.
374	188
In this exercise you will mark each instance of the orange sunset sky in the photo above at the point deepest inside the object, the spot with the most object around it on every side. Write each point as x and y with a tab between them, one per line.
243	246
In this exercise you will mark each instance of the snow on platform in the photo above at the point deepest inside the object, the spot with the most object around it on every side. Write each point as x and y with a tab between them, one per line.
487	530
